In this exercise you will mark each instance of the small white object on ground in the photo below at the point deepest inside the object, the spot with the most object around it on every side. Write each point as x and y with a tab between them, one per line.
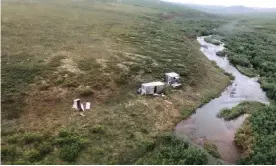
82	114
87	105
82	107
75	103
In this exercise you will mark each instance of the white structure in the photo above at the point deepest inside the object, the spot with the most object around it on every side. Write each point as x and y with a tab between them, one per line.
152	88
78	105
172	79
87	106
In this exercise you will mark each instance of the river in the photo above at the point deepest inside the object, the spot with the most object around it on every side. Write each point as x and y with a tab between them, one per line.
204	125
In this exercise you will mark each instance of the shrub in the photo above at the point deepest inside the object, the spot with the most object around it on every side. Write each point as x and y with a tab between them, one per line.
31	137
64	133
239	60
85	90
32	155
70	145
70	152
100	129
242	108
212	41
244	138
172	151
8	153
212	149
221	53
194	156
21	162
263	125
45	148
13	139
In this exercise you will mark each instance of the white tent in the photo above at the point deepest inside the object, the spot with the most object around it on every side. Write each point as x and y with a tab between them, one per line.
152	88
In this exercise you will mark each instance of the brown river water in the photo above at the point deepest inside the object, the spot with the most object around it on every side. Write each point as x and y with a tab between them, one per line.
204	125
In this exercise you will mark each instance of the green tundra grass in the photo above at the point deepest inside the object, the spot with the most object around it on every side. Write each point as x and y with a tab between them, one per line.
100	51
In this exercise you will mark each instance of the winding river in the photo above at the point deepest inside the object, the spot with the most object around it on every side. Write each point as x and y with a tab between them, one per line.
204	125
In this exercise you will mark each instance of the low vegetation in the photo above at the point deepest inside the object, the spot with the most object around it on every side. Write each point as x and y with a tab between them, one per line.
221	53
170	150
212	149
251	72
99	51
244	138
256	137
251	47
242	108
211	40
36	148
262	123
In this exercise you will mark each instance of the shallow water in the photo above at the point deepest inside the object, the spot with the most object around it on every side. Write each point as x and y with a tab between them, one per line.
204	124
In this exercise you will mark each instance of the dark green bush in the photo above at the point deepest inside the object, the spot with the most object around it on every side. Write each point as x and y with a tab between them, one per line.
173	151
100	129
32	155
70	145
45	148
242	108
212	149
85	90
70	152
239	60
264	126
8	153
31	137
221	53
212	41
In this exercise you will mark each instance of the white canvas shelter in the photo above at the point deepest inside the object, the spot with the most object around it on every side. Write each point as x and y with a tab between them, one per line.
78	105
152	88
87	106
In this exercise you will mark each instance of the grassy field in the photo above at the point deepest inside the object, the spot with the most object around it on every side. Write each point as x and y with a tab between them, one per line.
99	51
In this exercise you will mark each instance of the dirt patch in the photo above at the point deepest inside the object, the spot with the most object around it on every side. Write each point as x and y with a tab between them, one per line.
69	65
123	67
102	62
169	15
47	110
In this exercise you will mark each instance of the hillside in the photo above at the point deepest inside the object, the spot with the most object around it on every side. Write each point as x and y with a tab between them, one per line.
100	51
231	10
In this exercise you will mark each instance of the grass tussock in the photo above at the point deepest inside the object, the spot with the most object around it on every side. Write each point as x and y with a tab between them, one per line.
243	108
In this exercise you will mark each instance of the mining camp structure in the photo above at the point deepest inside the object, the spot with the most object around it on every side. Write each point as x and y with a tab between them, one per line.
173	79
152	88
